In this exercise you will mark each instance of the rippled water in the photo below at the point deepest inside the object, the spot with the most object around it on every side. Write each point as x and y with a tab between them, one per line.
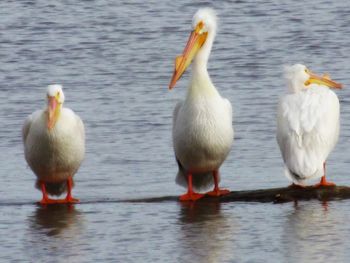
115	60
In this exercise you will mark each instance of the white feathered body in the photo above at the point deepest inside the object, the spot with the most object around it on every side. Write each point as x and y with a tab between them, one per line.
202	123
307	131
57	154
202	133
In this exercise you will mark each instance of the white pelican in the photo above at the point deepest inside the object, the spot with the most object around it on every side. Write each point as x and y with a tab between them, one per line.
202	123
307	124
54	146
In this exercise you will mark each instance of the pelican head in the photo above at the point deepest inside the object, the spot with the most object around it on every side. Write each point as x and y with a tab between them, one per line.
199	43
299	77
55	99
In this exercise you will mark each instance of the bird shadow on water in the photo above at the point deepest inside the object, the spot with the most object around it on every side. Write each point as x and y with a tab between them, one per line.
204	231
312	231
196	212
54	231
54	220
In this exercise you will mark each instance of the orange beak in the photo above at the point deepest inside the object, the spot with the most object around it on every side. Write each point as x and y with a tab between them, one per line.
194	43
324	80
53	111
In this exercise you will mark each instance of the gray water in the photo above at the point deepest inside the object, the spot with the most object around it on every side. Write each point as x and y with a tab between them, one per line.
115	60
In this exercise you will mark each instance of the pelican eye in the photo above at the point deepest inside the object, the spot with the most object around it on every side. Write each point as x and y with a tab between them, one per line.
200	28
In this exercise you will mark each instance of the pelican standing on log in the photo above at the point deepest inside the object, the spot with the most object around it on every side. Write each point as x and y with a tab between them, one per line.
202	123
54	146
307	124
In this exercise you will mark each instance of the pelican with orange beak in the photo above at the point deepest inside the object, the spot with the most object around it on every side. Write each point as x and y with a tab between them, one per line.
54	146
202	123
307	124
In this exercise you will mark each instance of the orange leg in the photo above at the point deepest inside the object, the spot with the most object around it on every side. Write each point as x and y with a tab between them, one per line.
190	195
217	191
45	200
68	200
323	181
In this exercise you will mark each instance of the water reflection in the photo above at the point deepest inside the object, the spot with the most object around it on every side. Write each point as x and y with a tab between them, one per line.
54	219
204	231
54	232
313	232
194	212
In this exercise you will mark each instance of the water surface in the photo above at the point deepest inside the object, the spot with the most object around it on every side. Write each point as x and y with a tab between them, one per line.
115	60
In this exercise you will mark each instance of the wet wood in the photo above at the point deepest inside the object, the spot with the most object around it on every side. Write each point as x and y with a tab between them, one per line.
289	194
273	195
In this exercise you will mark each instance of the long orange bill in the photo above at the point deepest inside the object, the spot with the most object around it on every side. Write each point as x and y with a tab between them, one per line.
52	112
194	43
324	80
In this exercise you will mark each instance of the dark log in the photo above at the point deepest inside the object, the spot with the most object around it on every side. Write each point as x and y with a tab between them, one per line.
274	195
289	194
